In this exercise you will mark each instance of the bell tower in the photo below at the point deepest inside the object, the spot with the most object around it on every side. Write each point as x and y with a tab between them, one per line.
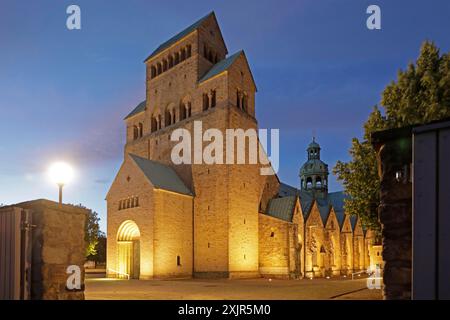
314	172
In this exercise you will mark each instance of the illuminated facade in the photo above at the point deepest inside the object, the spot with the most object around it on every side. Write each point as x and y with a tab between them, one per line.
227	221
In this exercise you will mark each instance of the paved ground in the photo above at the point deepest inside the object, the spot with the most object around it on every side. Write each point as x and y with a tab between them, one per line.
103	288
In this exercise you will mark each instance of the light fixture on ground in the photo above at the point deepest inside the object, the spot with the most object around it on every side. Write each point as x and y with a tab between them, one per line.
60	173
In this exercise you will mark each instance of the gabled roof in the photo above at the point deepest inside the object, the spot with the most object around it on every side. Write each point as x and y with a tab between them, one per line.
161	176
340	216
220	66
353	220
306	202
139	108
282	208
180	35
337	199
324	209
287	190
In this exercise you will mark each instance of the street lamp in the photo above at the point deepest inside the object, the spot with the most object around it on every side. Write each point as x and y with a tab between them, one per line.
60	173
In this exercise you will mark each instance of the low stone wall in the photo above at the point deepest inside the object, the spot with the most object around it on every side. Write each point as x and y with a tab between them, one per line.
57	242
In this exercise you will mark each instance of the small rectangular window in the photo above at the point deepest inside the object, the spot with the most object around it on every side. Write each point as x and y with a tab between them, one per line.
178	261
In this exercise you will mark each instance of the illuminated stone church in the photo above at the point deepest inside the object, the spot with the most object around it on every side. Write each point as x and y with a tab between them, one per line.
218	221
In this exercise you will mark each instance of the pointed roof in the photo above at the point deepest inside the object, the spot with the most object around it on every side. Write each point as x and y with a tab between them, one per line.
353	220
337	199
139	108
161	176
324	209
282	208
180	35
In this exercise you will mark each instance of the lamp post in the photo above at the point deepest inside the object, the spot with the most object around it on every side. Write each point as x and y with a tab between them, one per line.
61	173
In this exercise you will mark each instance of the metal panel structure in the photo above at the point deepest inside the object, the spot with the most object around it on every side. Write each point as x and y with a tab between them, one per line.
444	215
424	215
15	253
431	211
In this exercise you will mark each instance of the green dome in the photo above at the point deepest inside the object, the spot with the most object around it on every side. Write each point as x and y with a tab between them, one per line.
314	166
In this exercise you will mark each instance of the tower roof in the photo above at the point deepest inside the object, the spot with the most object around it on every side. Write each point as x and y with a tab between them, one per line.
181	35
139	108
161	176
314	145
221	66
282	208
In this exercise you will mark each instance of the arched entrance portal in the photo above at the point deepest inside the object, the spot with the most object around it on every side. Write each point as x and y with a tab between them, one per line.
128	251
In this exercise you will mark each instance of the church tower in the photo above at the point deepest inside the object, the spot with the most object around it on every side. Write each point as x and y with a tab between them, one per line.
314	172
192	84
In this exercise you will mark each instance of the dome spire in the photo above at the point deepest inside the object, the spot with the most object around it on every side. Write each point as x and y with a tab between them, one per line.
314	172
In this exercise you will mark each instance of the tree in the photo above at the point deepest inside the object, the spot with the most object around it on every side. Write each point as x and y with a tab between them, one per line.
92	233
420	94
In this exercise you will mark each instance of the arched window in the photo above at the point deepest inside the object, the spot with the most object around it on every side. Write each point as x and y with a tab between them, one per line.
213	98
170	61
205	102
135	132
174	116
178	261
188	51
141	129
189	110
153	72
159	121
168	118
165	65
159	68
238	99
308	183
182	111
244	102
154	124
319	182
183	54
177	58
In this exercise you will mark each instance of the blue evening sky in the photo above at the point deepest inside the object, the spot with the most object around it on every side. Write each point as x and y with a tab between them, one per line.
63	94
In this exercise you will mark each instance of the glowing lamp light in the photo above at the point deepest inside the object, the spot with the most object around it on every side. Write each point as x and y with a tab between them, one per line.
60	173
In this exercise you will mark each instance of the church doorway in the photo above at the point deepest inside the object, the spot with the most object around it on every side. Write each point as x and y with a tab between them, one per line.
128	250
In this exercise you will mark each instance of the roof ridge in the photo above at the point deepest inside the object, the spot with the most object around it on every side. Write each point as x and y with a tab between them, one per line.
180	35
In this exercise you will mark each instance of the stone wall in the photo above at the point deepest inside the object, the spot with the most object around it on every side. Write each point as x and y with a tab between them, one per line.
57	242
173	235
395	213
273	247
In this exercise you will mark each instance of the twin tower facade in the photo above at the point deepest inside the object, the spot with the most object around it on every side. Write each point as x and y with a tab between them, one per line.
193	220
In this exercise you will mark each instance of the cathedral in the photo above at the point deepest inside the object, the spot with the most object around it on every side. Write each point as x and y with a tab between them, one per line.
167	220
